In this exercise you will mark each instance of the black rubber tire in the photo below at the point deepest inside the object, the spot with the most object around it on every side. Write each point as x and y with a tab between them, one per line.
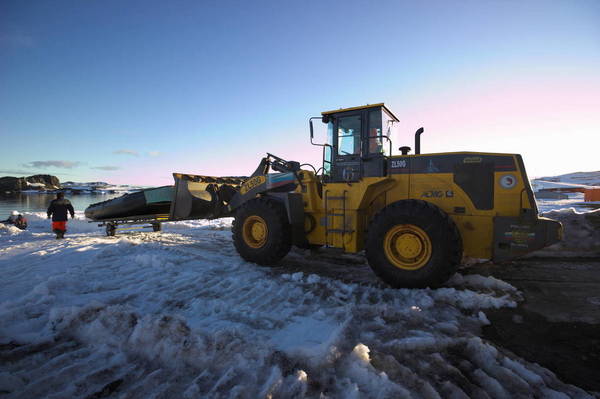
445	239
279	235
156	227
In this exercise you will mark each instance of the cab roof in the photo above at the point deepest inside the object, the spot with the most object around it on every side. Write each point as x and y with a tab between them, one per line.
378	105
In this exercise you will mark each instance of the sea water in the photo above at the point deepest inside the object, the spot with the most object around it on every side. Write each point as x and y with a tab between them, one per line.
34	202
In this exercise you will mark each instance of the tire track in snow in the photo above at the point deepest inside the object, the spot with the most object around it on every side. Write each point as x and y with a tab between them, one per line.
181	315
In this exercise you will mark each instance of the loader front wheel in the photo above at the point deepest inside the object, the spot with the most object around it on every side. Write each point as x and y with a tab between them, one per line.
413	244
261	231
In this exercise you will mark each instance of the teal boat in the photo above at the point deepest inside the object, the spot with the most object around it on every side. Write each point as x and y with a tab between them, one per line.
151	201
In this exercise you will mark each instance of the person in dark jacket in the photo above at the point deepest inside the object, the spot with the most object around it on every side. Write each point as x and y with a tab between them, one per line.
58	212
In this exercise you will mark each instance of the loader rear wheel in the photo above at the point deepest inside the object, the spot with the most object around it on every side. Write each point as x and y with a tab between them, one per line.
261	231
413	244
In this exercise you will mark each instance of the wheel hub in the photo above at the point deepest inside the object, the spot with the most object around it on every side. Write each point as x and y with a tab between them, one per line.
255	231
407	246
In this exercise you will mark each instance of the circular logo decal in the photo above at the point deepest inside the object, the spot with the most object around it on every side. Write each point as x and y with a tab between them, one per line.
508	181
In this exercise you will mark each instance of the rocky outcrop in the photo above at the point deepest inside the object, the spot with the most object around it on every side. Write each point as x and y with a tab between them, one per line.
9	183
49	181
35	182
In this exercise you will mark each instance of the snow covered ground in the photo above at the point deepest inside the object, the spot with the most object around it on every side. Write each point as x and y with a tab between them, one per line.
575	201
581	234
180	314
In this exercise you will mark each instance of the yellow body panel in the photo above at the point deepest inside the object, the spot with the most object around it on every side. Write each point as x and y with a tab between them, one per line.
251	183
342	211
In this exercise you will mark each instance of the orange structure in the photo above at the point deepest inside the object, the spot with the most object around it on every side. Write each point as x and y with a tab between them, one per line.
592	194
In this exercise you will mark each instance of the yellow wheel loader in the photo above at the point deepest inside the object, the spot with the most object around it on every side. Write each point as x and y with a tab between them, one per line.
416	216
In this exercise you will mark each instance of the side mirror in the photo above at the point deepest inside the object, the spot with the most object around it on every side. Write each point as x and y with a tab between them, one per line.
312	132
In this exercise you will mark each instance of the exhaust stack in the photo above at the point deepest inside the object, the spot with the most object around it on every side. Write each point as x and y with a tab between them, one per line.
418	140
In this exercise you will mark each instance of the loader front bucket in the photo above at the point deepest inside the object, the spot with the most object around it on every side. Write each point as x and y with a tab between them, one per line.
203	197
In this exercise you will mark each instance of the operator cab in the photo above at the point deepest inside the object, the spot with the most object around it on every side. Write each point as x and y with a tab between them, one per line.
358	142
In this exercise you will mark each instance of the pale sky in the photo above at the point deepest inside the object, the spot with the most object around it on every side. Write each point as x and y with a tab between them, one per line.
130	92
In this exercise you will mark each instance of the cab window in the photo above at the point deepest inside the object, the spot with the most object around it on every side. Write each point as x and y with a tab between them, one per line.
381	128
349	135
374	136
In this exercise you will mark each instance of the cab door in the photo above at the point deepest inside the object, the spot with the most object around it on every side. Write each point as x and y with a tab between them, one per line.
374	160
347	147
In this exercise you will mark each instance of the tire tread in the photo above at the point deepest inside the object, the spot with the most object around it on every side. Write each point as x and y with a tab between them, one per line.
280	238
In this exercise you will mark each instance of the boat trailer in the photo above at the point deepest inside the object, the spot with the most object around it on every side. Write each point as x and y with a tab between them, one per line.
140	221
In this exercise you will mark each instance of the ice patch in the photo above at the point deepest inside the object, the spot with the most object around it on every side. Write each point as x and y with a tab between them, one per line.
361	352
308	337
483	318
478	281
9	229
473	300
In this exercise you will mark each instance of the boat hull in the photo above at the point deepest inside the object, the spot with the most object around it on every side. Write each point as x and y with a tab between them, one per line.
145	202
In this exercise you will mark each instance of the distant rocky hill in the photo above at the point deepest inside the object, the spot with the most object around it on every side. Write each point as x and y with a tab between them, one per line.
42	183
583	178
90	184
35	182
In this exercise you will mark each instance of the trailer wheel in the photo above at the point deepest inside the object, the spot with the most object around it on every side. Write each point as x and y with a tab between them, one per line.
413	244
111	230
261	231
156	227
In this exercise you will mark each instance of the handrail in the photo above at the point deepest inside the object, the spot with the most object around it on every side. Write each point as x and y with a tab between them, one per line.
344	219
326	220
324	160
381	136
311	129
